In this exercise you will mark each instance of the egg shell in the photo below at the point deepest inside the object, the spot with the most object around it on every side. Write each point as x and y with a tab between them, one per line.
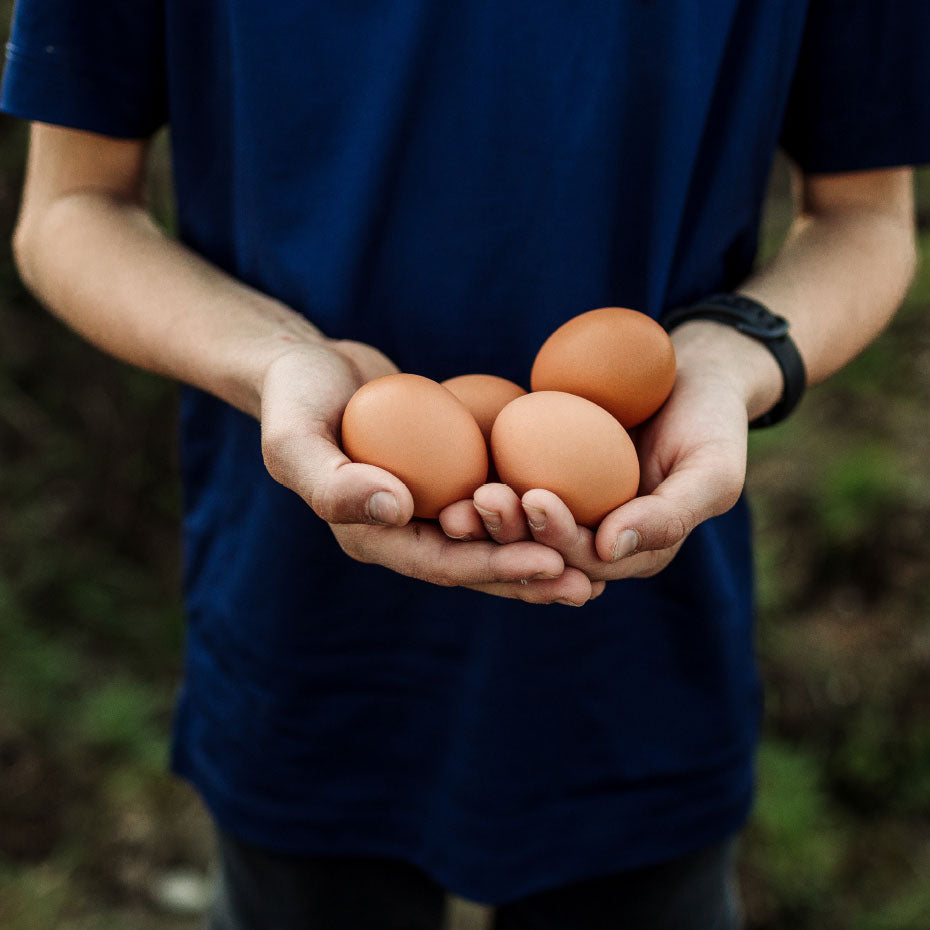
620	359
417	430
485	396
567	445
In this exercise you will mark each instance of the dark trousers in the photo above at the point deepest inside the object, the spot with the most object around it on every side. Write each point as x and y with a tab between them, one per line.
261	890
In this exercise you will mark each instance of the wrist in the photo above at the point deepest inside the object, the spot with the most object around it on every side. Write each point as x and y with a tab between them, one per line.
316	367
707	349
279	336
752	319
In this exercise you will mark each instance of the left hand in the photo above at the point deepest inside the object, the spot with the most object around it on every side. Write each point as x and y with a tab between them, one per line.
693	465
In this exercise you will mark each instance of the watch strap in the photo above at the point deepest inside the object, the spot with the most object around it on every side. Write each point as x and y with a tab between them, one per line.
755	320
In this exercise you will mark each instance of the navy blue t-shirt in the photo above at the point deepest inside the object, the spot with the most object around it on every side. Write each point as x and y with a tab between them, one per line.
449	180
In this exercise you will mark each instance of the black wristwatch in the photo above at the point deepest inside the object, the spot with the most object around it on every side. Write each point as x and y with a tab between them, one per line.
757	321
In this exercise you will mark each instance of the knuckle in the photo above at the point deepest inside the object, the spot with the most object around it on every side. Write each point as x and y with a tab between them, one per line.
323	503
676	528
438	571
492	567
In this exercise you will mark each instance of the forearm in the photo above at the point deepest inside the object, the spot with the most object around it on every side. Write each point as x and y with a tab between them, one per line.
103	266
838	279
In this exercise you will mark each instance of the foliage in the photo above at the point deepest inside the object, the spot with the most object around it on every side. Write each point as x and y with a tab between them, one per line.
842	503
794	825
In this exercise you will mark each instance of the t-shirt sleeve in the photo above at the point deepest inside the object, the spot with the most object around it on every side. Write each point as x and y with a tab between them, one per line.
95	66
861	92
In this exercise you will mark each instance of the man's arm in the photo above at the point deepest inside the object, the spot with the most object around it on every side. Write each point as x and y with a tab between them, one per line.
839	277
86	245
845	265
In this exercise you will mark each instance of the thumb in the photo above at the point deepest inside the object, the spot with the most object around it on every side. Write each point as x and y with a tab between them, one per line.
691	494
338	490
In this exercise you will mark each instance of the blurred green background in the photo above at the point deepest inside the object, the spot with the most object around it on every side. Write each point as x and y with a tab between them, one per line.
94	834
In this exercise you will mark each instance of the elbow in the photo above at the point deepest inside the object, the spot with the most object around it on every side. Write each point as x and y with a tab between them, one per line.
23	247
901	249
911	256
906	254
30	245
896	258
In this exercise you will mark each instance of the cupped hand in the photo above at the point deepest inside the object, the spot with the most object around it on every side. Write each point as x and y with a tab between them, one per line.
304	394
693	465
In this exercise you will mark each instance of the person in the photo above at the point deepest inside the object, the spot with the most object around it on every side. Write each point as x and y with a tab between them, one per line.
374	709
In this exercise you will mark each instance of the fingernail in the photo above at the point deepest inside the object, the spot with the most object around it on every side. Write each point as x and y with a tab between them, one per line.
536	518
546	576
492	520
383	508
567	602
627	543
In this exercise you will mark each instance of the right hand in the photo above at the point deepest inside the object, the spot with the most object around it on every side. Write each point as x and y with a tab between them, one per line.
304	393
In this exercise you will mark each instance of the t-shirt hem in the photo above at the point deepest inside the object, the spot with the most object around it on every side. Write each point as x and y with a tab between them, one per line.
847	151
821	166
604	850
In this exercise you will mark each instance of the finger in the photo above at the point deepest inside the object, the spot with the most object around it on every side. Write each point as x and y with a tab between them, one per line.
461	521
421	550
309	462
692	493
571	589
501	513
552	524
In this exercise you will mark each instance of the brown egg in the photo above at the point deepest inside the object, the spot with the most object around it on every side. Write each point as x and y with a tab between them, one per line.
567	445
417	430
485	396
620	359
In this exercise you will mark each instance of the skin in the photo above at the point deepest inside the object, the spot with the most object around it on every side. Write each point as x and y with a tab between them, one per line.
87	247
